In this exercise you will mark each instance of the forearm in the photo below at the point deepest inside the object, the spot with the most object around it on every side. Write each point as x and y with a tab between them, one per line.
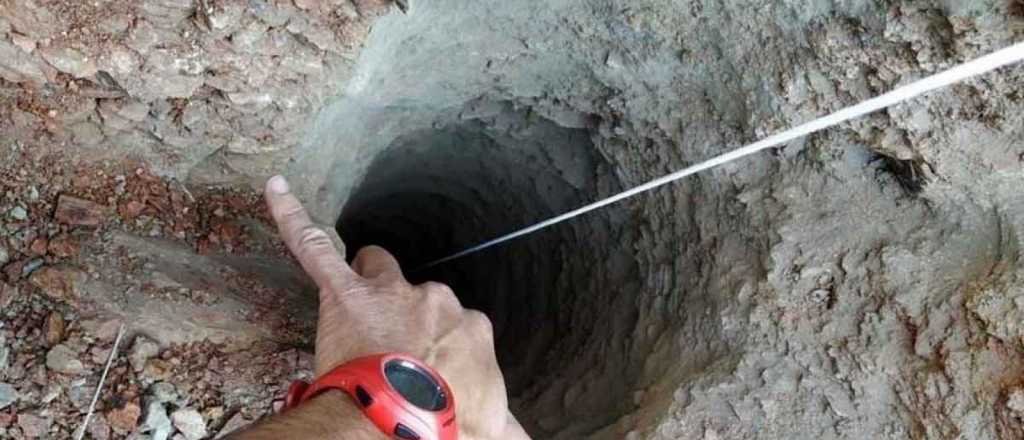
329	416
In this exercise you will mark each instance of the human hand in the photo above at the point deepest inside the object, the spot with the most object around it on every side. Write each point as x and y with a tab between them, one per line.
370	308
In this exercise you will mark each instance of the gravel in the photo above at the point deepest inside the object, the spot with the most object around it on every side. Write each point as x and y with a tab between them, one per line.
8	395
18	213
156	422
190	422
63	359
142	350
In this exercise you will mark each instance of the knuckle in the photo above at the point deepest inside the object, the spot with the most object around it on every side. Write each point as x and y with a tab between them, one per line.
441	295
439	289
313	237
291	211
479	323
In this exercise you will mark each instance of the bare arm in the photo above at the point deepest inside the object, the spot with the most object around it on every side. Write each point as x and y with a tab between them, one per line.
369	307
330	416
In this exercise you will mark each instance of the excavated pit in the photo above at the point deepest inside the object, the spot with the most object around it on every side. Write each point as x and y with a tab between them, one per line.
793	294
435	190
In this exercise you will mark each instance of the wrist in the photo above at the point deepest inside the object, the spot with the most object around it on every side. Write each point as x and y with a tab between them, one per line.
342	418
398	394
331	415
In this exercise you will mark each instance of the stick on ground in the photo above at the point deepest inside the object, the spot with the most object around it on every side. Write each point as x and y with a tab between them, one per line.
99	388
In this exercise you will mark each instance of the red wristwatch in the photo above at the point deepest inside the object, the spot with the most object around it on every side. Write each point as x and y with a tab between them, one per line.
401	395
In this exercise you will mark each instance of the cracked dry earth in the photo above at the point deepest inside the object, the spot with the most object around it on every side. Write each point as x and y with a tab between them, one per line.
864	282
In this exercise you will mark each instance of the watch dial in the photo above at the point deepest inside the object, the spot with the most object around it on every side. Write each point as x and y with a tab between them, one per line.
415	385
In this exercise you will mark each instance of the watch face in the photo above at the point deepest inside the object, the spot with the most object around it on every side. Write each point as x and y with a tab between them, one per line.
415	385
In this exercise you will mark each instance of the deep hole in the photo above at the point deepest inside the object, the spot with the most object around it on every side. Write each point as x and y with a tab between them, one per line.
435	191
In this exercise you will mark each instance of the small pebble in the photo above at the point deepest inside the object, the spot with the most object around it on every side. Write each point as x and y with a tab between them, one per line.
18	213
31	266
63	359
8	395
190	423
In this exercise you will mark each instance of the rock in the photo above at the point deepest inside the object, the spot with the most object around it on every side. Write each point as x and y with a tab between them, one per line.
142	37
38	247
124	419
190	423
14	271
142	349
133	209
99	429
236	422
99	354
163	392
18	66
315	33
1015	402
5	256
134	111
304	62
167	13
157	424
80	393
34	426
307	4
252	100
8	395
54	329
213	413
274	14
157	369
121	63
23	120
63	359
5	351
107	330
247	145
70	61
31	266
115	24
226	17
51	392
247	39
56	282
29	19
76	110
63	246
86	134
17	213
79	212
169	75
167	84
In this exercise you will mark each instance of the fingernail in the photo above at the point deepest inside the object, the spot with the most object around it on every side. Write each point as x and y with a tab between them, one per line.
278	185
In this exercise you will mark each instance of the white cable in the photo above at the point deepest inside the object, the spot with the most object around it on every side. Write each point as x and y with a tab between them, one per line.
953	75
99	387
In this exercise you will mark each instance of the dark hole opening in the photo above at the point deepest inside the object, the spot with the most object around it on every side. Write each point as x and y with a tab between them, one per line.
556	298
436	191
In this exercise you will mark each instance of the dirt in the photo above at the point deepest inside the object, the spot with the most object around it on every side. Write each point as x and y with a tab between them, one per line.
69	210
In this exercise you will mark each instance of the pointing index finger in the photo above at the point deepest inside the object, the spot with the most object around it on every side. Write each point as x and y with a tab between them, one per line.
311	245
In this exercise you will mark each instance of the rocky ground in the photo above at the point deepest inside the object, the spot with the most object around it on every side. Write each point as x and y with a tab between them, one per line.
107	108
69	284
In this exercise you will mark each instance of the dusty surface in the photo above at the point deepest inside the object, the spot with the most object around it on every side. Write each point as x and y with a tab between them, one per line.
90	248
864	282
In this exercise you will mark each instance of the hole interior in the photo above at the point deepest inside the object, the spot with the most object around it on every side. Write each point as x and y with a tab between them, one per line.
435	191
